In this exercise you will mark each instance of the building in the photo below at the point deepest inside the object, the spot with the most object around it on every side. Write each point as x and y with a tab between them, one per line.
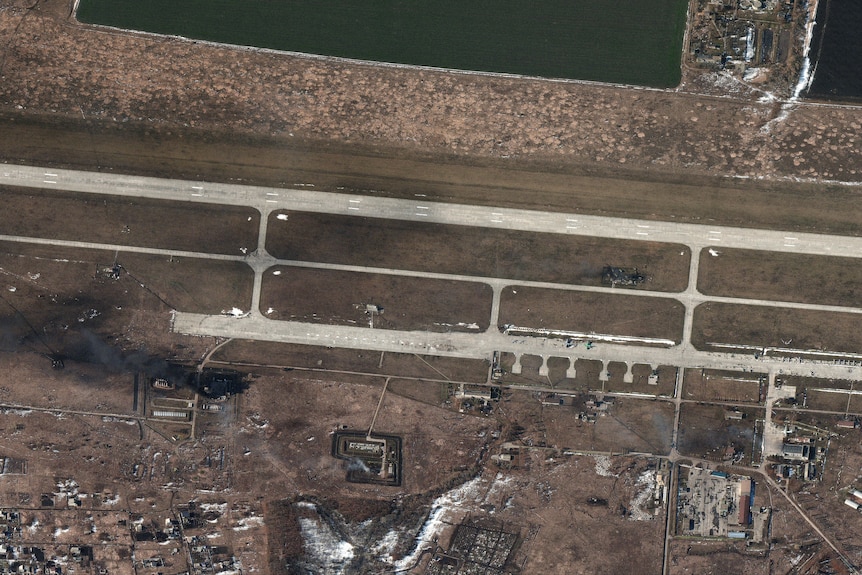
796	452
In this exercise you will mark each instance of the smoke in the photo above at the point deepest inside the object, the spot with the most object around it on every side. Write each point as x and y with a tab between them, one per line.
357	465
90	348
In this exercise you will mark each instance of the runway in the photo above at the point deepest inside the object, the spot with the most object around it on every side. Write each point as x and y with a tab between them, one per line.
482	345
268	199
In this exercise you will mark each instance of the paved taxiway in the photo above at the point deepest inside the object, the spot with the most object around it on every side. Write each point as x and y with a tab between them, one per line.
255	326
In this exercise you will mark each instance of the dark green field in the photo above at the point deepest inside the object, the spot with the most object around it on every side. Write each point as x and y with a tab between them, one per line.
634	42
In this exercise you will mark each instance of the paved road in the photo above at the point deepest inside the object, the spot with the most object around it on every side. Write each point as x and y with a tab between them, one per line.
268	199
482	345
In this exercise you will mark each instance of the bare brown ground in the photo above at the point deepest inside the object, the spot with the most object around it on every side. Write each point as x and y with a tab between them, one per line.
562	533
586	377
766	326
441	248
711	385
780	277
638	425
339	297
816	382
716	558
436	444
825	499
117	220
640	379
166	90
705	433
54	301
592	312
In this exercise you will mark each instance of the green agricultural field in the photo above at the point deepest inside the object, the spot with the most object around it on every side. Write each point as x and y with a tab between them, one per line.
633	42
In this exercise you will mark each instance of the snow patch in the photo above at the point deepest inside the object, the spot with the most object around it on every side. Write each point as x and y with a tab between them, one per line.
646	481
276	273
282	217
235	312
713	253
441	508
603	466
383	549
325	546
269	310
247	523
217	507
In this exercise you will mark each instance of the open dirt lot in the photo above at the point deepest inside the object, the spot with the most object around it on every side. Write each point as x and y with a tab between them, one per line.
769	326
562	533
824	499
713	385
408	303
586	372
118	220
639	425
376	242
780	277
54	302
664	385
589	312
705	432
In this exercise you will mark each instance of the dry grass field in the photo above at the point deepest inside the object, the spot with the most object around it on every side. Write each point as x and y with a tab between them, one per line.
116	220
588	312
780	276
408	303
474	251
712	385
773	326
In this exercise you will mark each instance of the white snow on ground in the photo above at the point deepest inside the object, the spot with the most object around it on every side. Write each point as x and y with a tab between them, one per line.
749	44
248	522
383	549
713	253
281	216
235	312
441	508
325	547
459	324
269	310
59	531
217	507
646	482
33	526
603	466
806	74
12	288
112	500
520	330
276	273
750	74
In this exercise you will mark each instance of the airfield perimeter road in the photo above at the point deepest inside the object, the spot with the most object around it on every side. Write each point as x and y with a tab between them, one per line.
256	326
